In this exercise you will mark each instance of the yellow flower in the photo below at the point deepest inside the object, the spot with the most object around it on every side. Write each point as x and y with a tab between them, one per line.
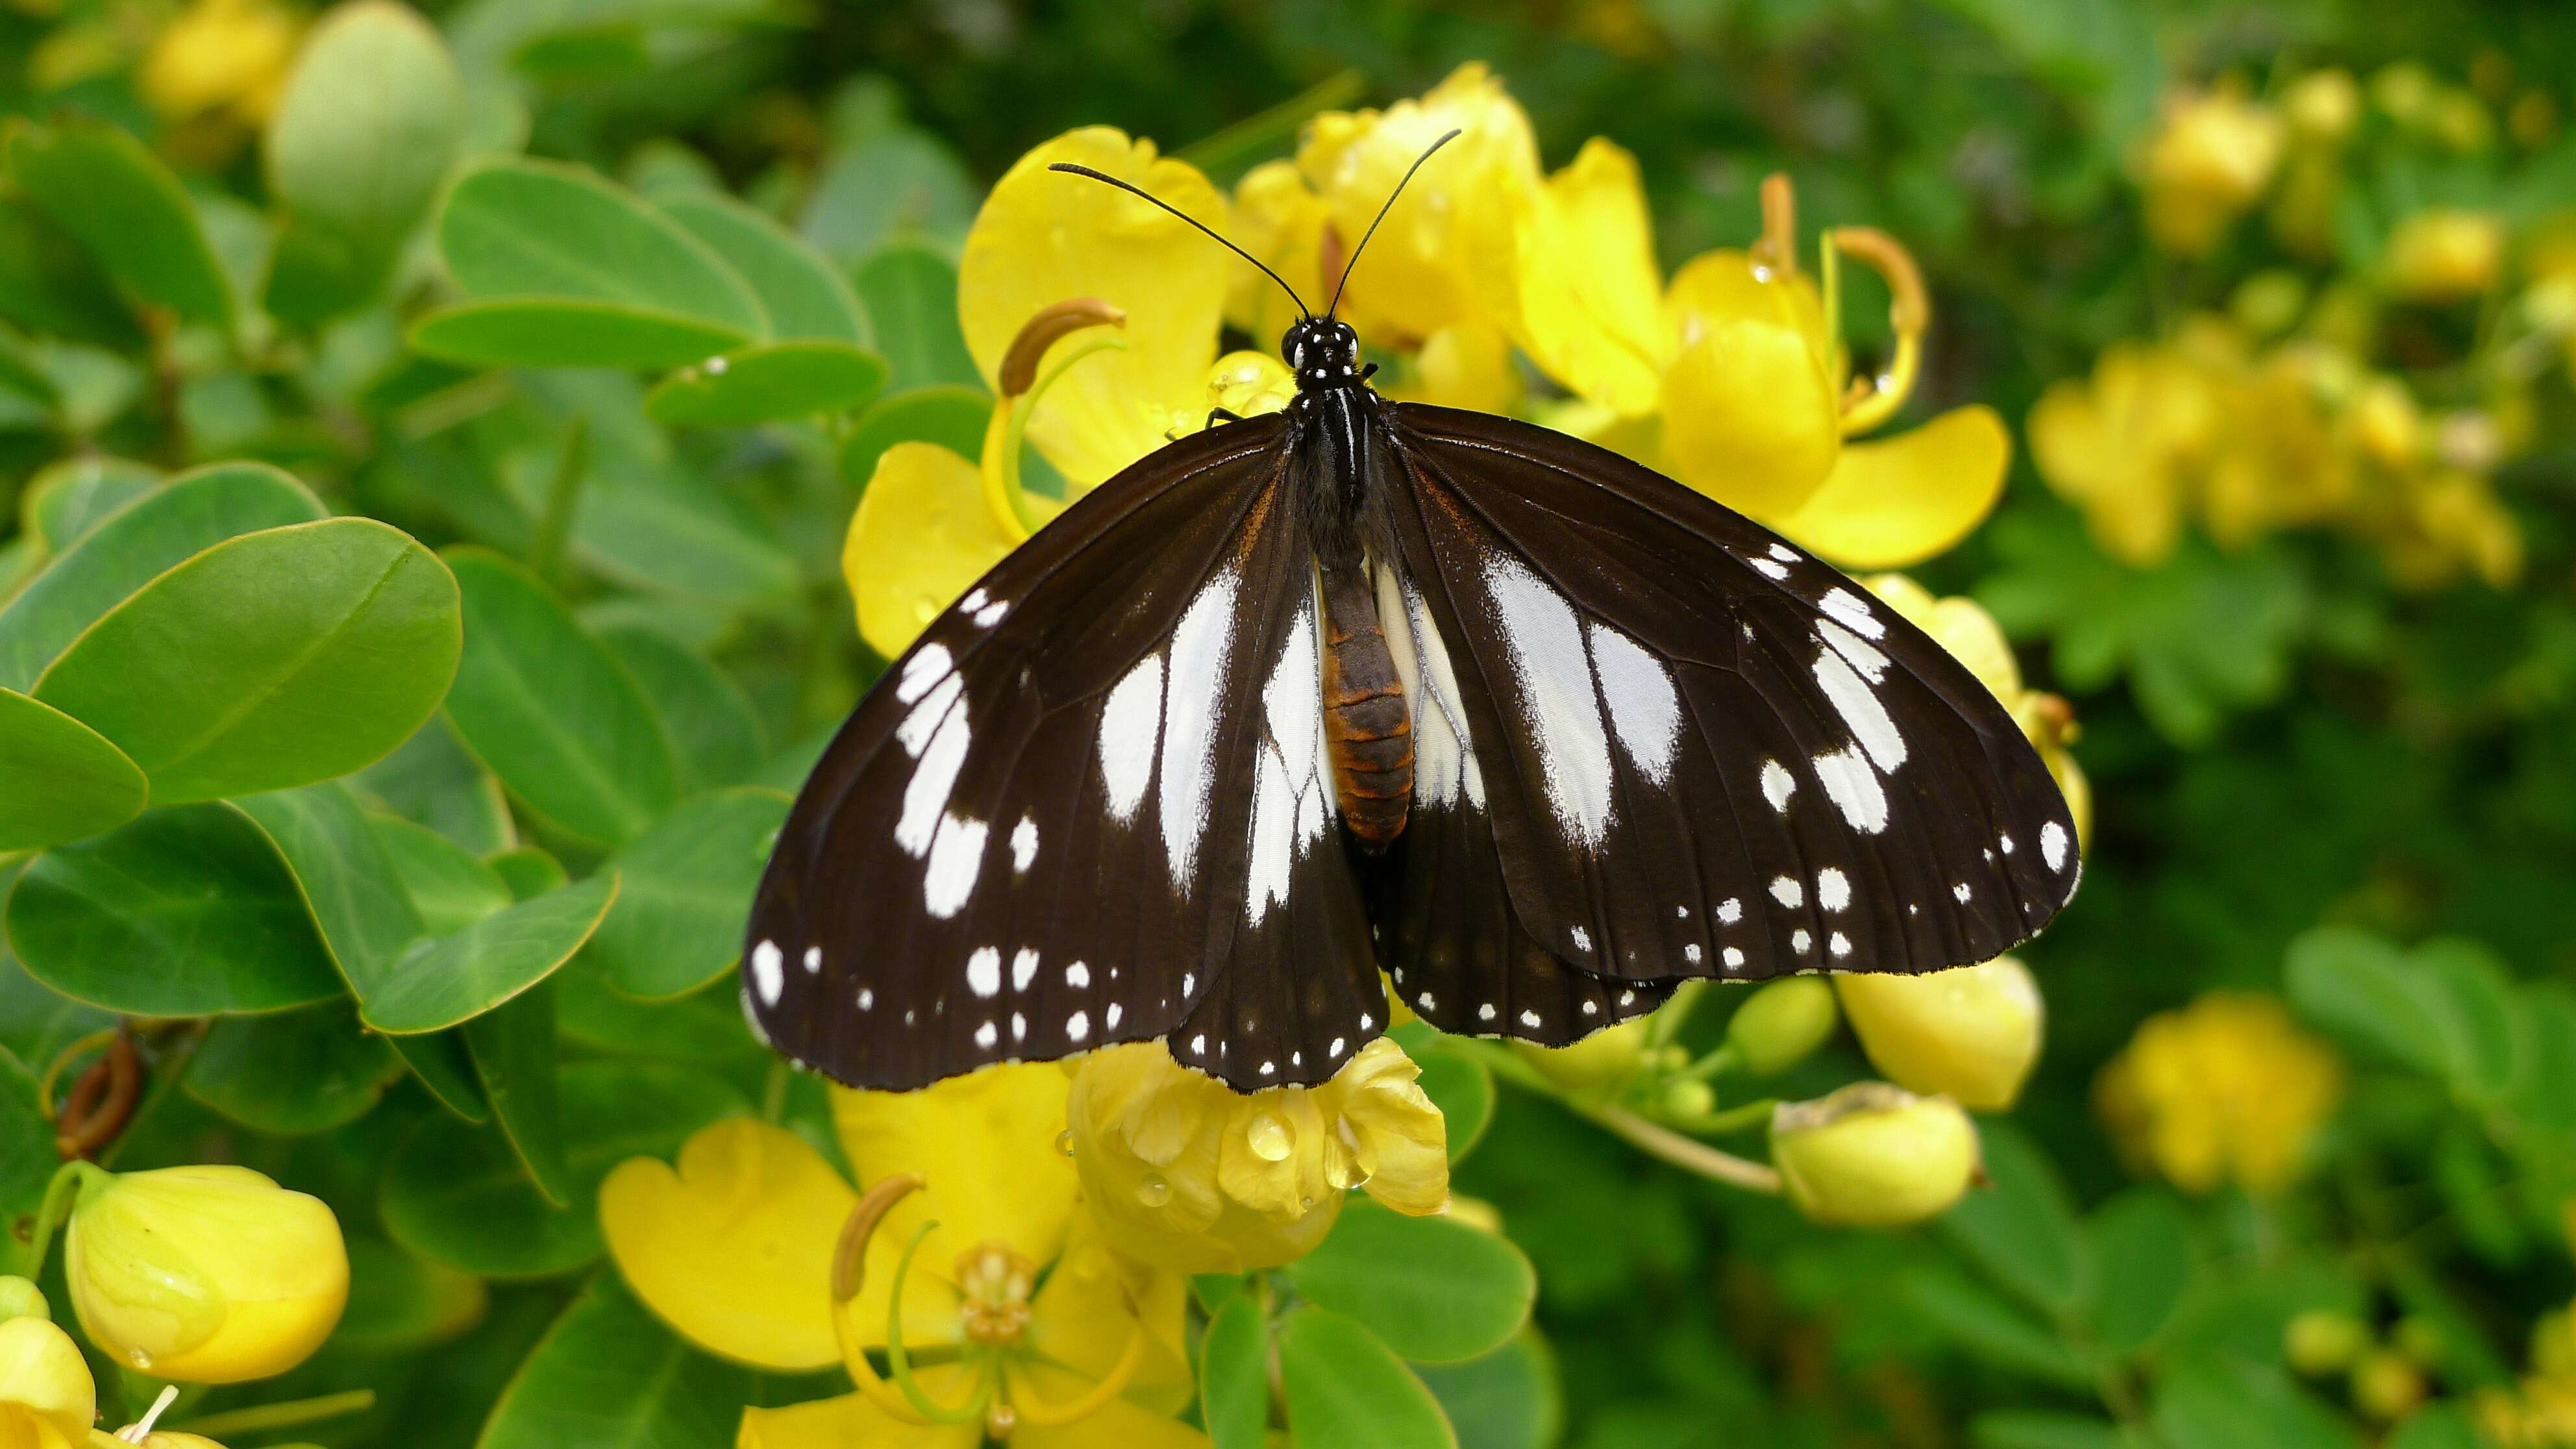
2122	446
216	55
1014	1316
2210	160
1970	1033
2225	1089
1873	1156
2445	255
1185	1173
47	1399
1279	219
1447	254
1781	1024
20	1298
205	1275
2323	106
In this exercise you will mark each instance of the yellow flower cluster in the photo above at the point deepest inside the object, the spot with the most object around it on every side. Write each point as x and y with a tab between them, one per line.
1014	1249
2227	1089
2540	1412
1095	319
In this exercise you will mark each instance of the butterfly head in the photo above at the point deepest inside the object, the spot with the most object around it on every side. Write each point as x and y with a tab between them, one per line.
1324	353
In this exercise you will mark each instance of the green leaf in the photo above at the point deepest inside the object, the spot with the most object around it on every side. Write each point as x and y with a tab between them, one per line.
446	1069
1461	1086
2361	988
36	1021
369	121
2141	1252
60	780
719	735
294	1071
514	1054
2488	1042
158	529
432	781
1346	1390
101	185
398	1302
270	660
456	1194
2437	1426
2021	1230
911	296
524	228
890	183
27	1157
65	500
1431	1289
184	912
667	530
1234	1375
462	976
529	872
772	381
347	878
2219	1403
448	885
1507	1399
552	712
564	332
2042	1429
679	917
704	1026
804	295
609	1374
952	416
52	286
1989	1328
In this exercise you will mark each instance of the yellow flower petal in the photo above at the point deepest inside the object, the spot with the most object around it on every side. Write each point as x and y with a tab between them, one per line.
1751	416
1590	297
1092	1302
1901	500
853	1420
1044	238
1118	1424
1279	219
1248	384
1446	253
1960	625
735	1248
43	1375
1971	1033
1465	365
921	537
984	1146
1397	1135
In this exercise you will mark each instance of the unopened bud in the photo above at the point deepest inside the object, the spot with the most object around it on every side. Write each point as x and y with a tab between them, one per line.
2386	1386
1781	1024
22	1299
1971	1033
1873	1155
2321	1341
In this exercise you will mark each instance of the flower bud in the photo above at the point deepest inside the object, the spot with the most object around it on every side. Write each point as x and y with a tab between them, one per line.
2387	423
2322	1341
1873	1156
1604	1061
1970	1033
2323	106
2385	1386
205	1274
46	1396
1690	1097
1781	1024
22	1299
2445	255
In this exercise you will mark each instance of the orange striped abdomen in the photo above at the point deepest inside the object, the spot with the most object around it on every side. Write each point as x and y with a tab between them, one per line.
1367	726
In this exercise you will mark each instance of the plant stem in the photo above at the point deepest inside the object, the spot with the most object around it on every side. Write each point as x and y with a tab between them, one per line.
60	1195
554	530
294	1412
1226	154
1687	1154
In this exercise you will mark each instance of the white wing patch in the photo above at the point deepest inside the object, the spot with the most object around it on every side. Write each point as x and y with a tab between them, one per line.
1129	725
1444	753
956	859
1645	709
1195	693
1555	674
1292	802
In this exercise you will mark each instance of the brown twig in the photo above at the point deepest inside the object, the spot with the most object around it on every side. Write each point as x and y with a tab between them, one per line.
102	1100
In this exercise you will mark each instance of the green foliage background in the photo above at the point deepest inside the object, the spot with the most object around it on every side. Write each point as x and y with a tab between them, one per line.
2279	740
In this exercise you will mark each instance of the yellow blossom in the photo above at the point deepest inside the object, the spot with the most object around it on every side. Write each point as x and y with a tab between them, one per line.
1186	1173
1279	219
2445	255
47	1399
2208	162
1971	1033
2323	106
1872	1155
2121	446
2227	1089
205	1275
1781	1024
1015	1318
219	55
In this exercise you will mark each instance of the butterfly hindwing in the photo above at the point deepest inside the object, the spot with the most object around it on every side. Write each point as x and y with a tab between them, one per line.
1697	750
1035	837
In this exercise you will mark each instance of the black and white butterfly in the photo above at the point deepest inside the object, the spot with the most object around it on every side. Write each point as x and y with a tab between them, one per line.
1369	685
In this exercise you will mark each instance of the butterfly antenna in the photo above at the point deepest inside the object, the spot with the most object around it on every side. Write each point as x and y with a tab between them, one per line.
1381	216
1134	190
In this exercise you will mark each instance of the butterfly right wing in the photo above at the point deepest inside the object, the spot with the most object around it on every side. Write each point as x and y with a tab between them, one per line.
1076	811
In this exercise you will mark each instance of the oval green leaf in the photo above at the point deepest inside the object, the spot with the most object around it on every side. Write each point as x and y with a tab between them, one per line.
686	892
954	417
514	1055
536	229
398	1302
911	296
1431	1289
1346	1390
1507	1399
433	781
804	295
67	499
295	1071
609	1373
268	661
155	532
718	733
1234	1375
551	711
553	332
101	185
60	780
184	912
448	885
368	124
770	382
445	982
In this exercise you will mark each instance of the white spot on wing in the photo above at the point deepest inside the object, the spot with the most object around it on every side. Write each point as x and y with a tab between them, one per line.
1024	845
1853	787
984	971
767	973
1582	939
813	959
2052	845
956	858
1129	725
925	795
1444	759
1645	710
1784	553
1787	891
1768	569
1077	1027
1109	1018
1849	607
1871	664
1734	958
1078	976
1195	690
1024	968
1690	953
1529	1018
1730	911
986	1035
1778	785
924	717
1556	683
1833	888
1859	706
991	614
928	665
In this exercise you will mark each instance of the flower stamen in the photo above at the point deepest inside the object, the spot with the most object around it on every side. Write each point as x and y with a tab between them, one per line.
903	1399
1869	402
1022	386
1036	1410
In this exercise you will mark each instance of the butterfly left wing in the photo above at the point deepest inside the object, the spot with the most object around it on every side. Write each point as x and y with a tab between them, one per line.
1087	806
1692	749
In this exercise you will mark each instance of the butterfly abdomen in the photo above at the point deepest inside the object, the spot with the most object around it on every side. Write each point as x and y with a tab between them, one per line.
1367	725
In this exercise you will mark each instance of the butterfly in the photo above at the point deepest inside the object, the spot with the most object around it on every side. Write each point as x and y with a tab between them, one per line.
1370	686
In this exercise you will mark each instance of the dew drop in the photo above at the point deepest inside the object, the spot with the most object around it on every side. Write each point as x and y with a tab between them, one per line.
139	1358
1064	1142
1153	1192
1268	1137
1306	1202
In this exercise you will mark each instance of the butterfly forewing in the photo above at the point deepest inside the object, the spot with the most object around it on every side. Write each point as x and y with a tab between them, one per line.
1036	836
1696	750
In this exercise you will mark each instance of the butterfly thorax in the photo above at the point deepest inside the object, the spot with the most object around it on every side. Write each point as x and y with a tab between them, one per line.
1344	446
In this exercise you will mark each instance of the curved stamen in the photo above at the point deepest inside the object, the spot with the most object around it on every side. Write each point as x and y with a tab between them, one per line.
1872	401
849	1275
1004	496
1035	1410
900	1362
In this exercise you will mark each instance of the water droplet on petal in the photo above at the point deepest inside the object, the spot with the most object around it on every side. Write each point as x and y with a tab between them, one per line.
1153	1192
1269	1137
1064	1142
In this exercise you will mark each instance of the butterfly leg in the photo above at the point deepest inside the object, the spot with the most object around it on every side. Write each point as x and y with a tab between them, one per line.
1222	415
